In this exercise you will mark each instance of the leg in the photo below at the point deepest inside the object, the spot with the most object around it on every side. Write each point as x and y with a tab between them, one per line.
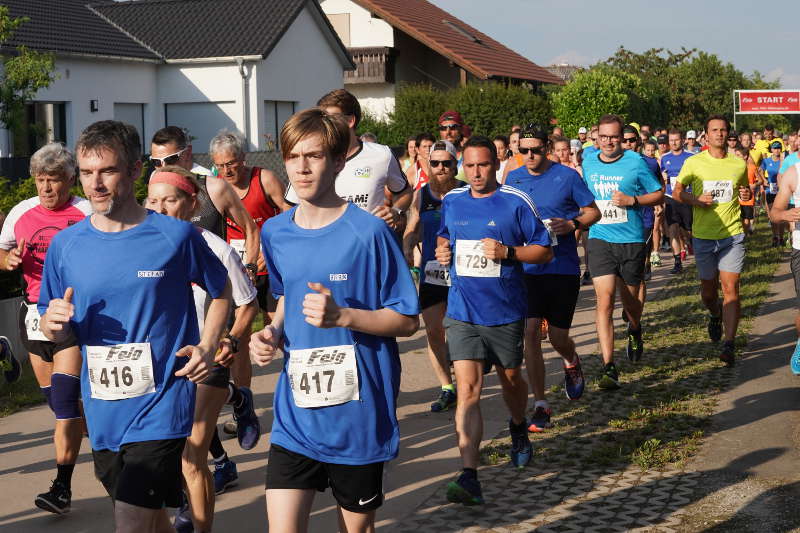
437	347
469	421
198	479
69	431
709	294
515	392
629	294
242	369
604	289
350	522
288	509
731	306
42	370
534	359
563	344
134	519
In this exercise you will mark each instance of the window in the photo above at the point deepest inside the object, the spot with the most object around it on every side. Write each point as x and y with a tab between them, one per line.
341	23
276	112
42	123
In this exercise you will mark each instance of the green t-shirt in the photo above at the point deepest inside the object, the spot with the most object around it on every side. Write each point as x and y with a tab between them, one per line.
721	177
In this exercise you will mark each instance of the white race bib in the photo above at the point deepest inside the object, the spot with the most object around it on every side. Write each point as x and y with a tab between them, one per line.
612	214
470	260
721	191
436	274
553	237
121	371
773	187
32	321
320	377
238	245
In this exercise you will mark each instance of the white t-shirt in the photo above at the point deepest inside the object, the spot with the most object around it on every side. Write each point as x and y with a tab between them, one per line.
364	176
243	291
201	170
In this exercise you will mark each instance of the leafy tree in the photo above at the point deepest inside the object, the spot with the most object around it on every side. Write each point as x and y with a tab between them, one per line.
491	108
25	72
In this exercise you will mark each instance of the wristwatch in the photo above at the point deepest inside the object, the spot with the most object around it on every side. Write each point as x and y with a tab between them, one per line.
234	342
635	202
511	253
577	223
252	267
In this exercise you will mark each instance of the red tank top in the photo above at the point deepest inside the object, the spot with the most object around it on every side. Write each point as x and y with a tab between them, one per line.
260	207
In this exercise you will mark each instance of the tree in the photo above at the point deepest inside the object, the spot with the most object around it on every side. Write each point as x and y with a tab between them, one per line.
25	72
491	108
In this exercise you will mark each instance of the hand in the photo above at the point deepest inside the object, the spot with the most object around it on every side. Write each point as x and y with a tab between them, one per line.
657	209
200	361
792	215
225	353
745	194
14	257
562	226
443	253
59	312
494	250
320	308
704	200
621	199
387	214
264	345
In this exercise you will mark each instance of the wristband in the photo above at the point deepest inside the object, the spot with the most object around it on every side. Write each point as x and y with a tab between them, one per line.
577	223
252	267
511	253
635	202
234	342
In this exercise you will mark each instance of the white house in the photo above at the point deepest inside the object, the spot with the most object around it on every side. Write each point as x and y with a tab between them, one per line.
200	64
413	41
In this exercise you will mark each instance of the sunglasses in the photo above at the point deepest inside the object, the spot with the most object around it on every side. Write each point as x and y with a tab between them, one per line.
629	140
167	160
539	150
446	163
450	127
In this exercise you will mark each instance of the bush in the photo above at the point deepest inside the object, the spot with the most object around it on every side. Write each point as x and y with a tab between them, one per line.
416	110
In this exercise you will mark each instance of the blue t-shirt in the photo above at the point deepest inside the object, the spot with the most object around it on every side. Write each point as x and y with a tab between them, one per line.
357	257
134	286
628	174
430	216
788	161
648	213
508	216
589	151
771	168
560	192
672	163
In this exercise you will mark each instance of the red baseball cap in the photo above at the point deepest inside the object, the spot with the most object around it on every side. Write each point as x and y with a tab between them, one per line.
451	115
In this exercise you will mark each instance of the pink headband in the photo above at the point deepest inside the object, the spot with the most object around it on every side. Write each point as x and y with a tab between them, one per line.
177	180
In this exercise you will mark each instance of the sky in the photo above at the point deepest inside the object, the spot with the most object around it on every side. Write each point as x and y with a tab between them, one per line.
582	32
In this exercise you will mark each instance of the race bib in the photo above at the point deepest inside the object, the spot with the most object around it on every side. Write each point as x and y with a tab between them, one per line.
470	260
320	377
121	371
773	187
553	237
721	191
238	245
436	274
612	214
32	321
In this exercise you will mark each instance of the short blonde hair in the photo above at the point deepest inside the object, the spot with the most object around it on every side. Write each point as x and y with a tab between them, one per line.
334	132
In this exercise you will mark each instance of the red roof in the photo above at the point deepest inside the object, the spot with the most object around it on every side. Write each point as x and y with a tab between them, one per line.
472	50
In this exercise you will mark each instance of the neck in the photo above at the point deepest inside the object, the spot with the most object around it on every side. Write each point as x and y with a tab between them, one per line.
318	213
355	144
613	157
491	186
719	152
242	180
126	215
543	167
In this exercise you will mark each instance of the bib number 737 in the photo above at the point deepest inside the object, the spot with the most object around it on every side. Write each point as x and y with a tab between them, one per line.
320	377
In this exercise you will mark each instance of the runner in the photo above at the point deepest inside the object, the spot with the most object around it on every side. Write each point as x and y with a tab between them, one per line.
770	166
562	198
171	146
783	212
486	306
621	184
678	216
175	192
410	155
434	280
650	155
764	144
341	373
754	180
501	143
692	145
418	173
24	241
119	281
717	180
583	136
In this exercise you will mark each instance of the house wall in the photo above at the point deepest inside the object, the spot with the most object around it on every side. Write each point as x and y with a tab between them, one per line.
365	30
375	98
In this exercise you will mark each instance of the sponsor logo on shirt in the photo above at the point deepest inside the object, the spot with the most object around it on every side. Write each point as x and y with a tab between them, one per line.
338	277
491	223
361	200
363	172
604	186
150	274
461	222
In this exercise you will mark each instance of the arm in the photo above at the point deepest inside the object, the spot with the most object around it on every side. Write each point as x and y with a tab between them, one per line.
231	205
651	198
264	344
402	200
680	194
274	189
531	253
590	214
411	235
780	211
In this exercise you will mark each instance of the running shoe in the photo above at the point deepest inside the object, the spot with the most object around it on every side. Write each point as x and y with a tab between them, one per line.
635	347
8	363
573	380
446	400
521	449
544	329
795	361
540	420
225	476
183	518
715	327
655	259
587	278
57	500
683	255
610	378
466	490
727	355
677	269
248	428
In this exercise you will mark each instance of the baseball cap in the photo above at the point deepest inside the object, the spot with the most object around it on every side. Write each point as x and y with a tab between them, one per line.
775	145
447	146
451	115
691	134
582	130
662	139
575	144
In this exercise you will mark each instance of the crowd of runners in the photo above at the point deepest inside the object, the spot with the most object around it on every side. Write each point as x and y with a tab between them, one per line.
138	317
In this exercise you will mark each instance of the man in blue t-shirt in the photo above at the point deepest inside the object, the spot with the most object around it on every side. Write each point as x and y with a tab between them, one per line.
678	216
621	184
487	232
566	205
344	293
120	282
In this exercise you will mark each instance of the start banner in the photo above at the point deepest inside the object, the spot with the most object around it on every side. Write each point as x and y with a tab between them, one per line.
769	102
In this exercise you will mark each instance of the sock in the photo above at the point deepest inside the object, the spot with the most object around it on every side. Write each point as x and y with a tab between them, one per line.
471	472
449	387
235	397
677	259
541	403
522	426
64	475
573	363
215	448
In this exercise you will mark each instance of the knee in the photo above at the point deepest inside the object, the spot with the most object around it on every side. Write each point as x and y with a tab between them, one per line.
65	390
468	393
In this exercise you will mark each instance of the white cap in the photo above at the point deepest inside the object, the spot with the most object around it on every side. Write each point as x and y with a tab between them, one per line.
582	130
448	147
691	134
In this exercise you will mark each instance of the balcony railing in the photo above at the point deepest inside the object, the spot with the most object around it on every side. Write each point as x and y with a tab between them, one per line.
373	65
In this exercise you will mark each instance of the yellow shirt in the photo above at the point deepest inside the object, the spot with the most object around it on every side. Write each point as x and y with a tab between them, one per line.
763	146
756	156
721	177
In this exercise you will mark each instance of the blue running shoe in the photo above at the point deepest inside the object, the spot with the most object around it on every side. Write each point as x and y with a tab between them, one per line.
183	518
540	419
573	380
466	490
248	429
446	400
225	476
521	449
8	363
795	362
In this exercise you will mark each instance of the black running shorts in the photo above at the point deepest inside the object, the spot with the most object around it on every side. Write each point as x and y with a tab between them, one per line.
678	213
44	349
430	295
624	260
553	297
